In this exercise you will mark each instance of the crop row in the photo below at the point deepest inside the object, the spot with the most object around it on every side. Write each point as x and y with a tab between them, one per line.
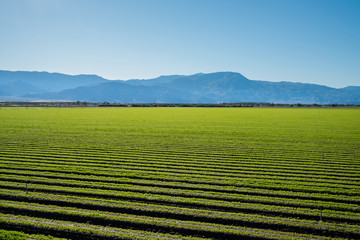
160	141
181	210
241	161
192	202
187	157
281	153
15	235
251	170
81	231
208	195
101	180
187	177
239	178
181	227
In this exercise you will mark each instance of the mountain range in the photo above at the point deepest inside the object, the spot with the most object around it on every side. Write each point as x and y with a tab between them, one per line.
227	87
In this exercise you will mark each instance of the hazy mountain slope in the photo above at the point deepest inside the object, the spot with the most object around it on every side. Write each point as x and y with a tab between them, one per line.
50	81
18	88
154	81
234	87
353	89
117	91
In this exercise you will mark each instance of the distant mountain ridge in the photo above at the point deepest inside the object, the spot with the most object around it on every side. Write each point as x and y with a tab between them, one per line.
50	81
229	87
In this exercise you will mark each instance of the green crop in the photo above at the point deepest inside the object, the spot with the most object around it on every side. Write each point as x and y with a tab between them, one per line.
180	173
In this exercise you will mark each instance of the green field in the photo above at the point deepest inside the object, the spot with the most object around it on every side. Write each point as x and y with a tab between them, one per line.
179	173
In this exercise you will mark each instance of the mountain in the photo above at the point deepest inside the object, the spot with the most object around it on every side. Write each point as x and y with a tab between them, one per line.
49	81
154	81
198	88
18	88
354	89
117	91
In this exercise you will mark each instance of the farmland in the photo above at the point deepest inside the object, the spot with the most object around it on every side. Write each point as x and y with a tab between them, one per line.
180	173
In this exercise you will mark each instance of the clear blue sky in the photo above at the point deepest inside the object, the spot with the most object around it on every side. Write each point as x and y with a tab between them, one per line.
314	41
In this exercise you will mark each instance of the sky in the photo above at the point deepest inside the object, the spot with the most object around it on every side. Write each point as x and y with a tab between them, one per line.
311	41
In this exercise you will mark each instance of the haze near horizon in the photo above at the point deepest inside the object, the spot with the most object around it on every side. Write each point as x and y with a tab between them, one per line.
278	40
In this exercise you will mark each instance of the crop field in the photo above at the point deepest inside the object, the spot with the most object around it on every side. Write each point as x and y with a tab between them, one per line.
179	173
